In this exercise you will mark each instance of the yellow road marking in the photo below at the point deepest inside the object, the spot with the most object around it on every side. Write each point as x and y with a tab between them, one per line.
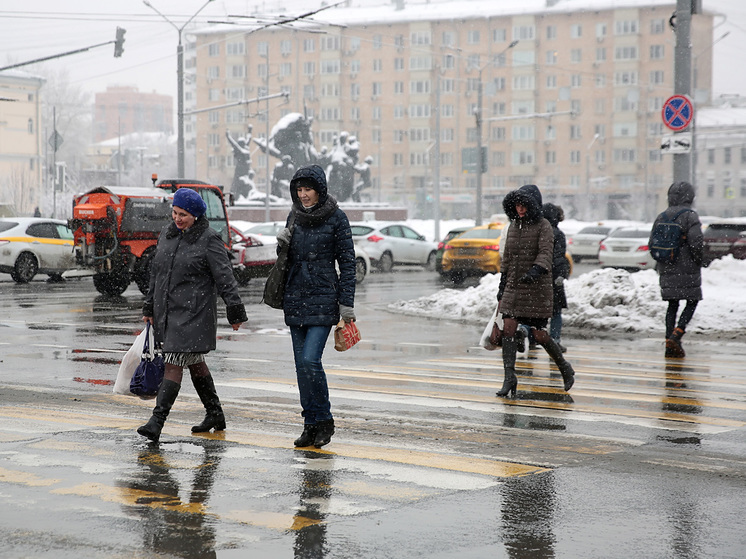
25	478
389	454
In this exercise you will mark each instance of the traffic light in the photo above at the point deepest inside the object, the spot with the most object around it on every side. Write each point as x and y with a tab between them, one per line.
119	42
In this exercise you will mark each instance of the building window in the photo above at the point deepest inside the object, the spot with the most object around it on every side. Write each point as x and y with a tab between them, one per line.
576	31
309	68
377	89
624	156
262	48
309	45
524	32
523	157
550	157
499	35
576	80
551	32
601	54
600	30
575	157
497	134
398	160
330	42
551	57
213	49
625	53
626	27
213	94
657	52
575	132
657	77
711	156
235	49
30	126
472	37
657	26
213	72
238	71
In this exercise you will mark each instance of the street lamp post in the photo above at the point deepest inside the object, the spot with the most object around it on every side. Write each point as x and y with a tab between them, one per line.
588	205
180	83
479	120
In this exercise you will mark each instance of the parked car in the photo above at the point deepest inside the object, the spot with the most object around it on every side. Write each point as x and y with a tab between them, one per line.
35	245
393	244
253	256
720	238
266	230
441	246
586	242
627	248
739	247
475	252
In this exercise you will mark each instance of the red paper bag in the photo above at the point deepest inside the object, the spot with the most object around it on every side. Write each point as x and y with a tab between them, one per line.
346	335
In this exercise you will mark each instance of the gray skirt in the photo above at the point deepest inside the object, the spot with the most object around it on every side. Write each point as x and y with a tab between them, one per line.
183	359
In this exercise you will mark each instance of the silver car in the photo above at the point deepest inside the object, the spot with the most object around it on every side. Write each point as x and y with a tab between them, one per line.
394	244
627	248
586	242
35	245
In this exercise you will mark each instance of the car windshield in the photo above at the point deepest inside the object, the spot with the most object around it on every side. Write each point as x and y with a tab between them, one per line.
481	234
7	225
631	234
360	230
265	229
594	231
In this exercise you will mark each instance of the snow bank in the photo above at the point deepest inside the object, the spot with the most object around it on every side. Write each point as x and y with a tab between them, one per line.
608	300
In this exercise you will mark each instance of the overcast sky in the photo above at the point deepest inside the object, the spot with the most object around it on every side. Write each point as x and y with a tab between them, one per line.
32	29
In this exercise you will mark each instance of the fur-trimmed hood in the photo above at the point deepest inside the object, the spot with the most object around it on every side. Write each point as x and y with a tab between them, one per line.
530	196
315	174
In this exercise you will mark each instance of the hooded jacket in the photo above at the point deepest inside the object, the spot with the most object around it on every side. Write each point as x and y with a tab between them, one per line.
189	269
321	238
683	279
560	266
530	243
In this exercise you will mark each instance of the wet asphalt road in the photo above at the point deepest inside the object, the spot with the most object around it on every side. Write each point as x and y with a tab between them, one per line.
643	458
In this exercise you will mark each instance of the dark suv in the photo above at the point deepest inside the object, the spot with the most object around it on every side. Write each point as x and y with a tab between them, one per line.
720	236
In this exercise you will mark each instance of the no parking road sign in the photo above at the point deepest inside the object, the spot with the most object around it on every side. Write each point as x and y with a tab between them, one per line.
678	112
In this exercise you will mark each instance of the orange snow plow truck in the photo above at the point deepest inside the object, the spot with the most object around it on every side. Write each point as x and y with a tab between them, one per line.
116	229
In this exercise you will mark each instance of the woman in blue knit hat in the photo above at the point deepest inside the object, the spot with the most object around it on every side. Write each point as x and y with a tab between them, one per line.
189	270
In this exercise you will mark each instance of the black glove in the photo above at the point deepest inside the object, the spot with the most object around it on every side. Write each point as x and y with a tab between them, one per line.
533	275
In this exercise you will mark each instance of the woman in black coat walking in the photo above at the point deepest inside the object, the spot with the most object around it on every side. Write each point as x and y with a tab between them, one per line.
315	295
189	269
681	279
560	271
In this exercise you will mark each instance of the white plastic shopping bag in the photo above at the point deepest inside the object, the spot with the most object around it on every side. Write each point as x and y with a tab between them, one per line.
484	341
130	362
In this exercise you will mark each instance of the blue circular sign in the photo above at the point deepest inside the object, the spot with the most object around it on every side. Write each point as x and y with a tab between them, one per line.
678	112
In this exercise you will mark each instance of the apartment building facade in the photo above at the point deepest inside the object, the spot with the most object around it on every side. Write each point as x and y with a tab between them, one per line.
123	110
571	100
21	141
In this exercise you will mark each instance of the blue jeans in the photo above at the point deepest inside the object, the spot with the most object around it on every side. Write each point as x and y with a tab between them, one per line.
555	326
308	347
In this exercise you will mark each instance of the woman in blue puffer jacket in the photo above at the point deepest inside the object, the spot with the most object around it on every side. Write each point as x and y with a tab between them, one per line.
315	295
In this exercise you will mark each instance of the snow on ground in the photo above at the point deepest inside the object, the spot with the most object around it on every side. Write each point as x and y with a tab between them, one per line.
608	300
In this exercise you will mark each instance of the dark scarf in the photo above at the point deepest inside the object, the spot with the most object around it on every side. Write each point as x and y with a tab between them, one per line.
193	233
317	214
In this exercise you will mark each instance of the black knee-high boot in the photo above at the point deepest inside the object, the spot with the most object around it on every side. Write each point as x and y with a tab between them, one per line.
555	352
510	383
166	397
214	417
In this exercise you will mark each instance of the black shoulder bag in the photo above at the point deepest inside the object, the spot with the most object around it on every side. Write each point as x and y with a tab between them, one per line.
274	289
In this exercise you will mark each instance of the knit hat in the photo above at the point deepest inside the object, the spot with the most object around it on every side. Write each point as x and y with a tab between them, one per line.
187	199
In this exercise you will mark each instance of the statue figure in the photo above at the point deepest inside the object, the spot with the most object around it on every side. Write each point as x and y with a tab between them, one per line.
363	169
281	176
341	171
291	136
242	184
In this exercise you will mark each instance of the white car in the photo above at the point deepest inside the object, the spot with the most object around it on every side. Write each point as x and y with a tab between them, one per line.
266	230
586	242
627	247
394	244
254	255
362	264
35	245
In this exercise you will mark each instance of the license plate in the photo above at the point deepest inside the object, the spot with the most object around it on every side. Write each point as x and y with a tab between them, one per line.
469	251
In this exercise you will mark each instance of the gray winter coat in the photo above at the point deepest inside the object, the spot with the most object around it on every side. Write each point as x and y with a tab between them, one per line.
530	244
187	273
683	279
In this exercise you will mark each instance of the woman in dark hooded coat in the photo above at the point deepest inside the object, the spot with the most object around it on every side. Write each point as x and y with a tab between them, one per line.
560	271
190	269
525	292
682	279
315	295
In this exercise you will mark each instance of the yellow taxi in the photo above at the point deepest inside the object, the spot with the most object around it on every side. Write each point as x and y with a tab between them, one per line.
475	252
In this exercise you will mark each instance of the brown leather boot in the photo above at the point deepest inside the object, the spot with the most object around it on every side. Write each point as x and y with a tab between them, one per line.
673	344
